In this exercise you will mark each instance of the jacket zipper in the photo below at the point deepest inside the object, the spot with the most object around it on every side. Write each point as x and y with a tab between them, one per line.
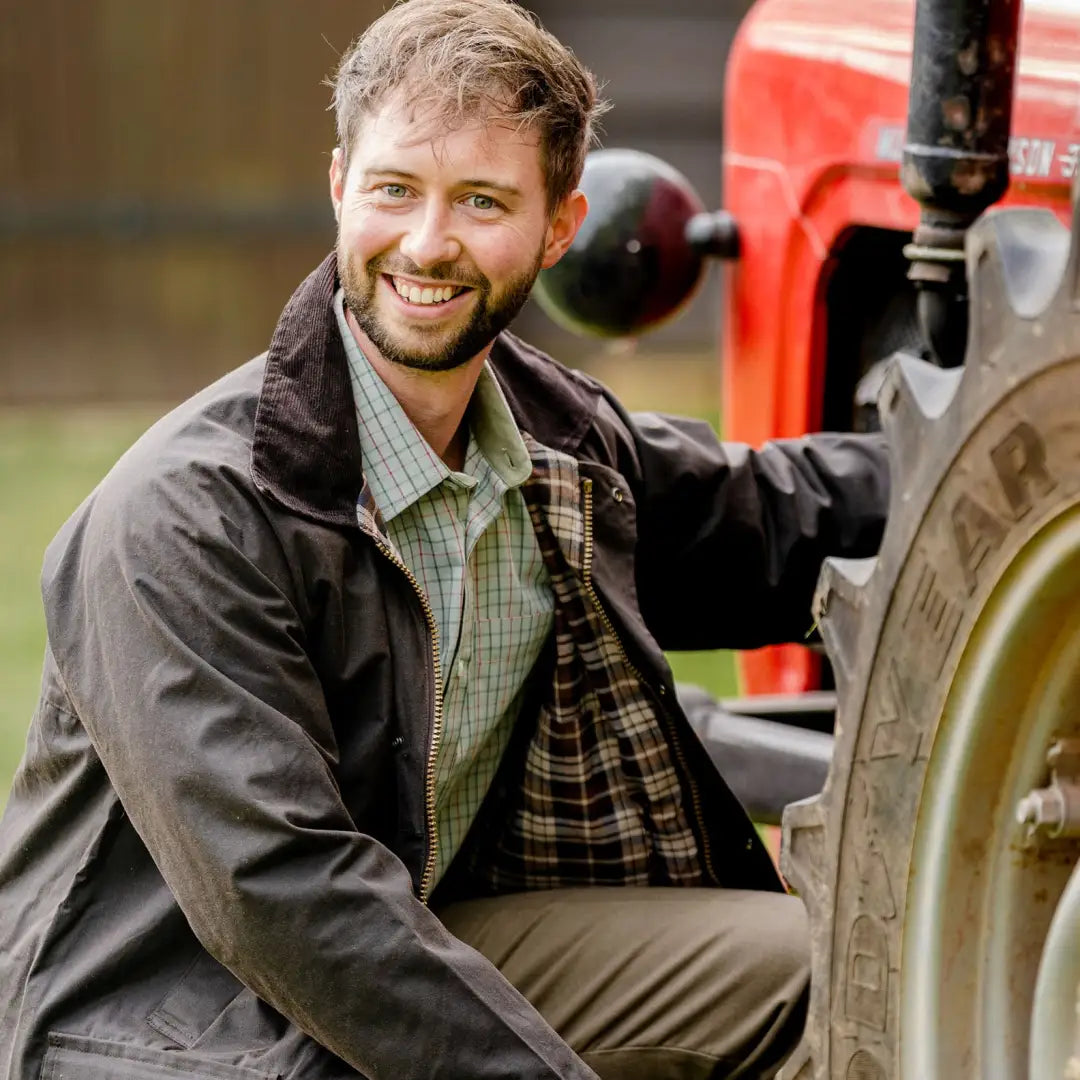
436	724
609	626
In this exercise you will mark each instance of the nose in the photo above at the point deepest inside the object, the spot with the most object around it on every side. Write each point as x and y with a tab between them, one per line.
430	238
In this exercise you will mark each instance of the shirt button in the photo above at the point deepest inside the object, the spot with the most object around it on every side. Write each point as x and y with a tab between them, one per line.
461	670
616	494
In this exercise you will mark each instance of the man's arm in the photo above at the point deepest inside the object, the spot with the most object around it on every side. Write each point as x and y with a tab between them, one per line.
172	622
731	539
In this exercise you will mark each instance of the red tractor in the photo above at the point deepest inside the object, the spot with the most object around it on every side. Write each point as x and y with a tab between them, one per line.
867	276
816	292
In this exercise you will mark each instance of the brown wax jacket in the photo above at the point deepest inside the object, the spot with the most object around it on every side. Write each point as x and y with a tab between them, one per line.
214	858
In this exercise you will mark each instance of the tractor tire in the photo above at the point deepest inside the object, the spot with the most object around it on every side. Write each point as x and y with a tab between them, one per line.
945	937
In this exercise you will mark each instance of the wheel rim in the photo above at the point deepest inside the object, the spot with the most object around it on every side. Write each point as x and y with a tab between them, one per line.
980	901
1054	1011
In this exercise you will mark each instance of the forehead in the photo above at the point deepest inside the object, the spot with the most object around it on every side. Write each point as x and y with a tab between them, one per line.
416	138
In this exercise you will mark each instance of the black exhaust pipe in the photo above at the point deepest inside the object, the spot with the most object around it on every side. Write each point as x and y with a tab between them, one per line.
956	154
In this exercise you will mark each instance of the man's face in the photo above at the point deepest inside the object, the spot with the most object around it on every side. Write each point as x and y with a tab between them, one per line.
441	235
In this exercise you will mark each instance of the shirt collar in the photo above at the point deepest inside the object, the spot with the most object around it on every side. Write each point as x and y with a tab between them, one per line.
399	465
305	449
496	434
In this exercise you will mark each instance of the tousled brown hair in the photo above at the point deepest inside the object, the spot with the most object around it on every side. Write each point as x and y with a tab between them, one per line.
474	59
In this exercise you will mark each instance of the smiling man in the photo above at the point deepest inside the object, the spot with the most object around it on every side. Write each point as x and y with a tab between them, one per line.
436	262
357	752
444	223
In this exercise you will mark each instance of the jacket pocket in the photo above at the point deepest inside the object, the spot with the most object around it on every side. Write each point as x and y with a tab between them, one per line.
77	1057
196	1001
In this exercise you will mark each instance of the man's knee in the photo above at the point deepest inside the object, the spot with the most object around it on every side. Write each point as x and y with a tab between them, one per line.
764	939
783	942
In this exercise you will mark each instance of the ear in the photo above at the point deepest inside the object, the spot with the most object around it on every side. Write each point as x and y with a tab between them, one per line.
337	181
563	227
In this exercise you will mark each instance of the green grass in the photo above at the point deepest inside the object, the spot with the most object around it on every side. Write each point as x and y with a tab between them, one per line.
713	670
49	461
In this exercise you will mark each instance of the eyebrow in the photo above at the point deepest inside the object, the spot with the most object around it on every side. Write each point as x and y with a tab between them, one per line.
493	185
472	182
387	170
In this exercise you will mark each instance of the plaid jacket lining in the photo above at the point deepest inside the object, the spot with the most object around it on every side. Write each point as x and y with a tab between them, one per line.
601	801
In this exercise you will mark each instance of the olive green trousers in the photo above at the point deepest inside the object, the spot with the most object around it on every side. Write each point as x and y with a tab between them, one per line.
654	984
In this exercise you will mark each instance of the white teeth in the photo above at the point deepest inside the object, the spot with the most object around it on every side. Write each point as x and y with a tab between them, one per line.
416	295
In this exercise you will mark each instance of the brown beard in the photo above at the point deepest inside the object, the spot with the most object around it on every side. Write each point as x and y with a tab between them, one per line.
491	313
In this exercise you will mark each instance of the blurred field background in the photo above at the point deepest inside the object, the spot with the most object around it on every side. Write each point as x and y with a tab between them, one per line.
162	191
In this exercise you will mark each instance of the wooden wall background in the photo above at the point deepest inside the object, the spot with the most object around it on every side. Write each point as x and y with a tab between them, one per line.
163	172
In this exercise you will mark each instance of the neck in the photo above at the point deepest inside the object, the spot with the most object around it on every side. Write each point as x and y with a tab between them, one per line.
435	401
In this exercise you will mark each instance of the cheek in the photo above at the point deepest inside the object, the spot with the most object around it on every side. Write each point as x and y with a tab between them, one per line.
363	233
504	252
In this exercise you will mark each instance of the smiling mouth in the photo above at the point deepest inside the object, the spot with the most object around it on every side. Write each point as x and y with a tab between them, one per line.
424	295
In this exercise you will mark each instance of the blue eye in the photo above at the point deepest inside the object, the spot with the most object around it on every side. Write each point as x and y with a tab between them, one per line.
482	202
396	191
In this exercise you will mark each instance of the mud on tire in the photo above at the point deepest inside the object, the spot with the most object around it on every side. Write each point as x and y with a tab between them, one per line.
957	657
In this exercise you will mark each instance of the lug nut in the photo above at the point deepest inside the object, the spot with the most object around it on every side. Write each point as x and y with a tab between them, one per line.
1042	808
1054	811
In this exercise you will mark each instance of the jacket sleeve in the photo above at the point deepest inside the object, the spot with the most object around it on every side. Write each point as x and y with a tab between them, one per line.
731	539
170	615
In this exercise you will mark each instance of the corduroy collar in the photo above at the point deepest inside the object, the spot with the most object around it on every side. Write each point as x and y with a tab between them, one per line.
306	450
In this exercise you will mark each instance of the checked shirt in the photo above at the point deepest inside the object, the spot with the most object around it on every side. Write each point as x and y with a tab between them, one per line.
468	540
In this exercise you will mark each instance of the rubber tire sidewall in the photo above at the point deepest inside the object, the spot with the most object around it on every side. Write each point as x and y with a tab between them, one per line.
941	586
